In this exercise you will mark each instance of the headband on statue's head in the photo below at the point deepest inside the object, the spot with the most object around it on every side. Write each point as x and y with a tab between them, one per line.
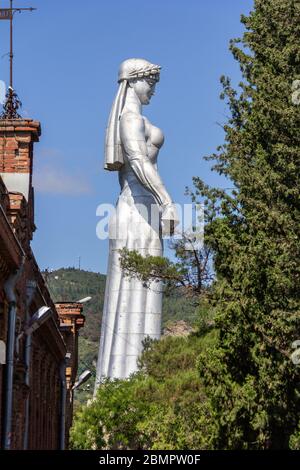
130	69
138	68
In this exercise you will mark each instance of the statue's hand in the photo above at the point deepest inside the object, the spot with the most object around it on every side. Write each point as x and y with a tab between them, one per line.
169	219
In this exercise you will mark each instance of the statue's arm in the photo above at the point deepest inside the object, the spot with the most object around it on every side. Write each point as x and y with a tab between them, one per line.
132	133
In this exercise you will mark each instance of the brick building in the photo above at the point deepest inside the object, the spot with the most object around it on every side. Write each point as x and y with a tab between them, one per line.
71	320
38	340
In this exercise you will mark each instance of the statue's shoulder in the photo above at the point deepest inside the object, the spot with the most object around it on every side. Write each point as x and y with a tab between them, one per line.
132	118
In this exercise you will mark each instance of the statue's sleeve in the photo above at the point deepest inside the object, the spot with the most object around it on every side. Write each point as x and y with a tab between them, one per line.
132	133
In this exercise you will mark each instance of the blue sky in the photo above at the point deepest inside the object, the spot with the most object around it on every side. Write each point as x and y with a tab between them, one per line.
67	55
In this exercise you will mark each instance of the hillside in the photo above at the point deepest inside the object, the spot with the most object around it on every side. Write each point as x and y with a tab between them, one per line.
70	284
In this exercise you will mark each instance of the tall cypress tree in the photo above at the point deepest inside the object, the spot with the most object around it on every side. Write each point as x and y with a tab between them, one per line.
252	385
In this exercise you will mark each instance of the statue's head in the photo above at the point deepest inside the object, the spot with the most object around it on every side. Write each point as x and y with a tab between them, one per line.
138	76
141	75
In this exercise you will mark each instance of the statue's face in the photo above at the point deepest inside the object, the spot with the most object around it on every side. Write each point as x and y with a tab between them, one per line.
144	89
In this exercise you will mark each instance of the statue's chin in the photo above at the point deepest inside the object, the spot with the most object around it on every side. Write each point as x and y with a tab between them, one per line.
146	100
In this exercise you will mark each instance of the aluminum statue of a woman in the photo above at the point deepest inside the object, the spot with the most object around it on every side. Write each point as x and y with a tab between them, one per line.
132	311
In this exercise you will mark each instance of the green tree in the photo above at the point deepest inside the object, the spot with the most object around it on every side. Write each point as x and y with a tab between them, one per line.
157	408
252	385
191	272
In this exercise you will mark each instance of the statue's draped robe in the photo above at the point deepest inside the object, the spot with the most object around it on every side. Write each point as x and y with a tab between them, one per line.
131	310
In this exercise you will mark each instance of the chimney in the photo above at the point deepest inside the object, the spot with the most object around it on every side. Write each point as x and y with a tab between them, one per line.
17	137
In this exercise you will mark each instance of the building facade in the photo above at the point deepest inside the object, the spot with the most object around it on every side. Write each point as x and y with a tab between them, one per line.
38	352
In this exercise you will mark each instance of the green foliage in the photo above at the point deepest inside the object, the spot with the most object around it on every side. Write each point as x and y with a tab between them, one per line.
151	268
191	272
157	408
177	306
252	385
295	440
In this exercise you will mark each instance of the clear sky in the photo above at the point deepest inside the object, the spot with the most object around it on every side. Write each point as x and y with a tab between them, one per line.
67	55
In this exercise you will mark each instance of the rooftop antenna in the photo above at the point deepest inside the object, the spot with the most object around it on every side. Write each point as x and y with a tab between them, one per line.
12	101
